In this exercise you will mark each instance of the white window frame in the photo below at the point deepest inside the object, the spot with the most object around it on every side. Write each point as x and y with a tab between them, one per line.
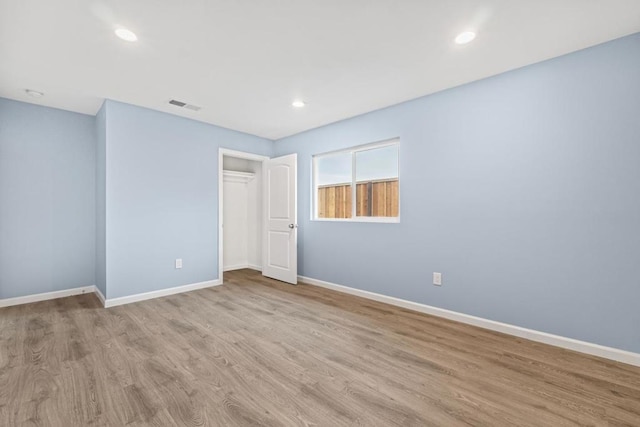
353	151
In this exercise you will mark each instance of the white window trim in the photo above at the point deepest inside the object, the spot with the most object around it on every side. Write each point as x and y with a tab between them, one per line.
353	150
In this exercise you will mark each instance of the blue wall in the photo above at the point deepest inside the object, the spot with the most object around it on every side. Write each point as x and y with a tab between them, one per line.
522	189
162	197
47	199
101	200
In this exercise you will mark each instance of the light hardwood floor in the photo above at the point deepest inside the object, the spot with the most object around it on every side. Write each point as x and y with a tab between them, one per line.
258	352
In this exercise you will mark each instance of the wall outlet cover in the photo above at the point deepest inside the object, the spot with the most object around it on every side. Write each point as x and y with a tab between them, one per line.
437	279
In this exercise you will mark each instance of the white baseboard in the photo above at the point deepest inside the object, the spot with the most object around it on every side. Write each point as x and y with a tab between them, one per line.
254	267
100	295
7	302
241	266
235	267
112	302
107	302
530	334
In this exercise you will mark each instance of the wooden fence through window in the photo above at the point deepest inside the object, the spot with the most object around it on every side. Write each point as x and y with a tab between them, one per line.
373	198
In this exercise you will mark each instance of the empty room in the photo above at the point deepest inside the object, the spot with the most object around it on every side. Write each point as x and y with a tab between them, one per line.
319	213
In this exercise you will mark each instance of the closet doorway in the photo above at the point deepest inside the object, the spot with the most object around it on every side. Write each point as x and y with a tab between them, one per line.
241	211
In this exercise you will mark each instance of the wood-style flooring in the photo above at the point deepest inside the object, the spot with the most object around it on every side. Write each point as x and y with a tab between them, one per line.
258	352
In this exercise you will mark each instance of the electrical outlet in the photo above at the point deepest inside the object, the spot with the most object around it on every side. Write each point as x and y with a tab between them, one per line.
437	279
178	262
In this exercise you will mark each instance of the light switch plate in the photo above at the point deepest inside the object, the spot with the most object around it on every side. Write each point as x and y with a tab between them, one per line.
178	262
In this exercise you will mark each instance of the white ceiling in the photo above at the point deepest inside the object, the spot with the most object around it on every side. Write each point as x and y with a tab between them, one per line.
244	61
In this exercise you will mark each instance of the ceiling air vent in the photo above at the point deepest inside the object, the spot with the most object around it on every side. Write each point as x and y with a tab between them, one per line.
184	105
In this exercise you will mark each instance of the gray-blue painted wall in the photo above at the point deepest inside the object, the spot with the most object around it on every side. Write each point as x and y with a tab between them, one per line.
101	200
162	197
522	189
47	199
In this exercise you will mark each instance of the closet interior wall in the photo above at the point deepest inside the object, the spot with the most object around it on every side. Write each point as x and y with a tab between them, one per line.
242	214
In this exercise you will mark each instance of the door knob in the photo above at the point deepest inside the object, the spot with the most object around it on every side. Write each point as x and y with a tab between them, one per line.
292	226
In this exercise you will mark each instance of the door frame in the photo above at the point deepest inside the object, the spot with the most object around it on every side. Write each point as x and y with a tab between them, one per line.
240	155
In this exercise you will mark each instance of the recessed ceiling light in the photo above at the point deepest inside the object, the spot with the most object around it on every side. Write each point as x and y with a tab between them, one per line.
466	37
34	93
298	104
126	35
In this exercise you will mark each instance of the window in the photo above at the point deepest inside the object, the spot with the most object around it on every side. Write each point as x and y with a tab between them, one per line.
358	184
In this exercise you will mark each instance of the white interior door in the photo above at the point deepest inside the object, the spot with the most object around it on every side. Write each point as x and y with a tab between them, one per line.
281	230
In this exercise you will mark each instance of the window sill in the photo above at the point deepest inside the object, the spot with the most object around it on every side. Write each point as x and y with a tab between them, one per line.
381	219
